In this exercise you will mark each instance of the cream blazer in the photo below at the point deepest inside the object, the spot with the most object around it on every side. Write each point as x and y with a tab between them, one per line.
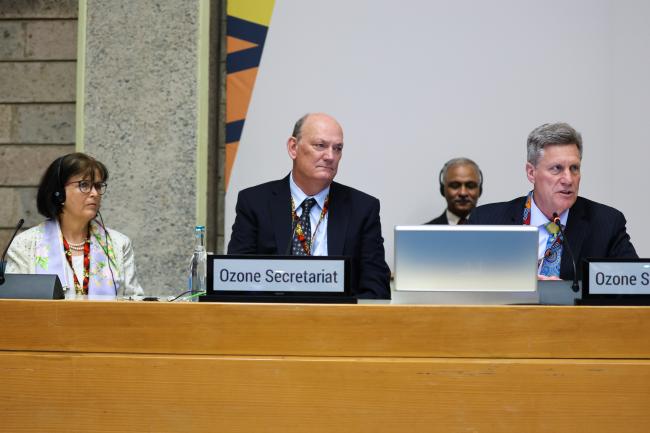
21	259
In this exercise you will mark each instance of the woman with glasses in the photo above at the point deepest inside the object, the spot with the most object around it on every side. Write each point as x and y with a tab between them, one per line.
72	242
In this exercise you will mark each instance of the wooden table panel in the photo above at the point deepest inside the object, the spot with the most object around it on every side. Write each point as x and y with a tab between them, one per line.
321	330
157	367
138	393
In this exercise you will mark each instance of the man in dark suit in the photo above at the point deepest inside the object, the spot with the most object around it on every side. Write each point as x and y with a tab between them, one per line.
307	213
592	229
461	184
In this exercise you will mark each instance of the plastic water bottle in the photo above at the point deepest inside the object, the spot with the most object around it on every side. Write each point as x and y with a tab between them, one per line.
198	265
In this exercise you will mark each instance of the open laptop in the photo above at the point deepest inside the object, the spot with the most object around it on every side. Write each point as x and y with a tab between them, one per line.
466	264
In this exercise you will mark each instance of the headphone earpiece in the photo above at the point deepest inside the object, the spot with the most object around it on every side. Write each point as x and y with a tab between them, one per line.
442	182
59	193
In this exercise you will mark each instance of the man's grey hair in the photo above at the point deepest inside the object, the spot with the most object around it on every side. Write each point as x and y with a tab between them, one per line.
297	128
551	134
459	161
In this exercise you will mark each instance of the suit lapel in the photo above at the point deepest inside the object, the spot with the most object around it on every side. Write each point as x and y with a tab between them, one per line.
280	209
576	231
516	211
337	220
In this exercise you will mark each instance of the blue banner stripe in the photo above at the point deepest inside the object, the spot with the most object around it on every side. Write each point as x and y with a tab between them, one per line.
246	30
234	130
245	59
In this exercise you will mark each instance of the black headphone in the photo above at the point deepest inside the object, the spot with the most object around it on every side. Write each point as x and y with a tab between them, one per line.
455	161
59	192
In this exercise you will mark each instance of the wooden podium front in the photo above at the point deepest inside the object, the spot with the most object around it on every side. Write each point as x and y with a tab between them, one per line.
70	366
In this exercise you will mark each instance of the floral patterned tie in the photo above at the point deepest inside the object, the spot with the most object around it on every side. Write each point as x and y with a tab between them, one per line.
553	252
297	248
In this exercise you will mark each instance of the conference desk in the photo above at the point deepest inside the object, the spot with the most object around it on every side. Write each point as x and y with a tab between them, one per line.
194	367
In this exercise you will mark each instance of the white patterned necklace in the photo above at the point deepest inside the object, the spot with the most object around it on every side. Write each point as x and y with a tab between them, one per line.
77	247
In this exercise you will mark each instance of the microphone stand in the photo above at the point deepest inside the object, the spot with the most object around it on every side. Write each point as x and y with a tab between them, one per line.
575	287
294	226
3	264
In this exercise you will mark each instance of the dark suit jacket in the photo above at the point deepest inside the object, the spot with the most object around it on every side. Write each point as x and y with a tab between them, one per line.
442	219
263	226
592	230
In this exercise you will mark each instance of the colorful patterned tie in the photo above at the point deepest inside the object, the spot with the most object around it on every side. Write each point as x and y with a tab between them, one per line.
553	252
305	223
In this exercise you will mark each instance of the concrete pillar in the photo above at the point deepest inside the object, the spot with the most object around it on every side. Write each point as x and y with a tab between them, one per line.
142	116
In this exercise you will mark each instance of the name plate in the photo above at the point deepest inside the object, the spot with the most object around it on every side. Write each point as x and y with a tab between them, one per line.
619	277
276	274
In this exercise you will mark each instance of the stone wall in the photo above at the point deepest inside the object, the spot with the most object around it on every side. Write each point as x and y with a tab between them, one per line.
38	50
140	117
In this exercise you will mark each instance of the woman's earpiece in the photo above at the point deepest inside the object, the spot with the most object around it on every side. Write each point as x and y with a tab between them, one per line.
59	192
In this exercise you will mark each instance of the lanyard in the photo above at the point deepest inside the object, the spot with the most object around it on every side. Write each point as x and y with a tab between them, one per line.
79	289
299	229
526	221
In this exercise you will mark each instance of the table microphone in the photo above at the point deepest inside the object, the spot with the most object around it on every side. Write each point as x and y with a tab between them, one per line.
574	286
3	264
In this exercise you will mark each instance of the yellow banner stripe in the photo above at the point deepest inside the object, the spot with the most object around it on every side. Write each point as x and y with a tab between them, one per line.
257	11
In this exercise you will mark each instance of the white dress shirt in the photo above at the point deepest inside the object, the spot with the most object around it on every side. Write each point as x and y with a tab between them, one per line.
452	218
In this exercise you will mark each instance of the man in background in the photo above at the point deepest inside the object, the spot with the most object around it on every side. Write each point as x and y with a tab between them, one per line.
461	184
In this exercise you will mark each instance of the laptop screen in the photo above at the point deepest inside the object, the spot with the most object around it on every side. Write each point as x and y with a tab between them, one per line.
466	258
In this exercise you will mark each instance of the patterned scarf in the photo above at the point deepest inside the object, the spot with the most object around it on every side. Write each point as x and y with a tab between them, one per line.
50	259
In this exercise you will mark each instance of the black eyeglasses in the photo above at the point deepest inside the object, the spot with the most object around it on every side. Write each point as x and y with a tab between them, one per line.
86	186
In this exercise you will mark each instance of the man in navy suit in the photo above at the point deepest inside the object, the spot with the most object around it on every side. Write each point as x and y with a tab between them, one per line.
592	229
307	213
461	184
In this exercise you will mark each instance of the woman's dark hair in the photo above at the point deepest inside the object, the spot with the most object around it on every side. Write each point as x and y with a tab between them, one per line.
51	190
